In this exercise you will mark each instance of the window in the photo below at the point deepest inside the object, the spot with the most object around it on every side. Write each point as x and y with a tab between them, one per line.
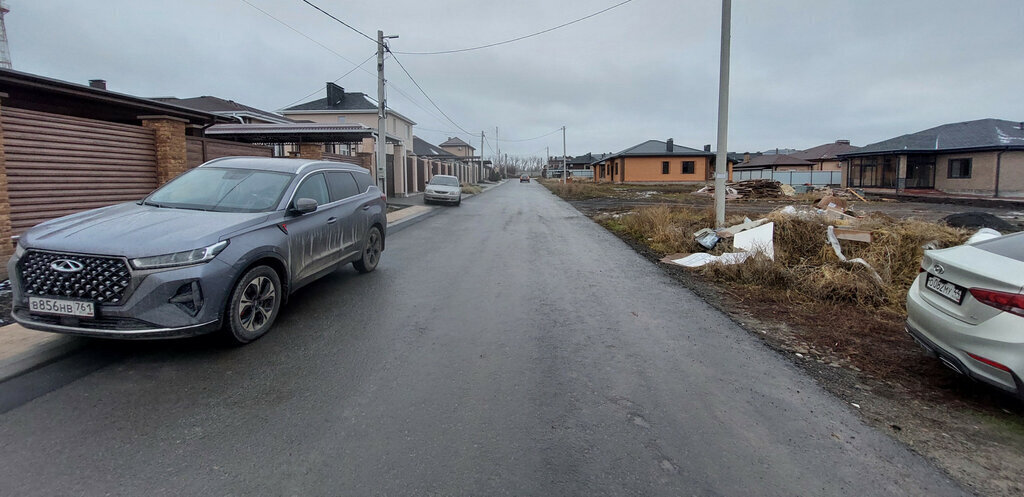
688	167
363	181
664	167
314	187
343	185
959	168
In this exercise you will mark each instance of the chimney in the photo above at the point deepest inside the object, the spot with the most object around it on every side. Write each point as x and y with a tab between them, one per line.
843	142
669	145
98	83
707	148
335	94
746	157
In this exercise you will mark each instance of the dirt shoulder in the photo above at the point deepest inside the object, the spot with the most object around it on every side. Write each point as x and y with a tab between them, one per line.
861	353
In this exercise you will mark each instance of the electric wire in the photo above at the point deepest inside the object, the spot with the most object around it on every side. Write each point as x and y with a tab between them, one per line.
304	35
343	23
531	35
318	90
528	139
406	71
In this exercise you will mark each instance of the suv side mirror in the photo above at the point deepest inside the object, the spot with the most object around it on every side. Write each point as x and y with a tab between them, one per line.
305	205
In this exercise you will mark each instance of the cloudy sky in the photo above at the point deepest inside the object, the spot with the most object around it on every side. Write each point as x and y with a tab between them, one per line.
804	72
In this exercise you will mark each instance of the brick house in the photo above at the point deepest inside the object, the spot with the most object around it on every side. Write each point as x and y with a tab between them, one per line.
982	157
655	161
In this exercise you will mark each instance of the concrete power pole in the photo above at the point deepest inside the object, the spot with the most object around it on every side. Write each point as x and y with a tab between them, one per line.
722	158
563	155
480	170
382	150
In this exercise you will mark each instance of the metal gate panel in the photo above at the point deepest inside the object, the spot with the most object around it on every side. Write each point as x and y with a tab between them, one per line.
58	165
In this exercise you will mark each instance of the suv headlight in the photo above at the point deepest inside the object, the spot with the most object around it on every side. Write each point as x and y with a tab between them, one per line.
185	258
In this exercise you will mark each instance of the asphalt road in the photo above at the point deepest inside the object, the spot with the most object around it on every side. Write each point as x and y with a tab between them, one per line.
505	347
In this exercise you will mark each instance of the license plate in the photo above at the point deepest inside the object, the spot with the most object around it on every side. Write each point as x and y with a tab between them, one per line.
946	289
61	307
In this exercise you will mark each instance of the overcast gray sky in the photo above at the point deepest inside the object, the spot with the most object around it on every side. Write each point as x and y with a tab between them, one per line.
804	72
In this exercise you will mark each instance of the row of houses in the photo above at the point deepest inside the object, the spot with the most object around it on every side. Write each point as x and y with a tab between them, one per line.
67	147
984	157
335	126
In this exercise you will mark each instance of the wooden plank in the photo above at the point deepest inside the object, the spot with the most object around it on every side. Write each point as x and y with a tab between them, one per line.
853	234
47	119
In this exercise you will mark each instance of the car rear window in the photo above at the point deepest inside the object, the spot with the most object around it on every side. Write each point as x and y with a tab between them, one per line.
363	180
342	184
1011	246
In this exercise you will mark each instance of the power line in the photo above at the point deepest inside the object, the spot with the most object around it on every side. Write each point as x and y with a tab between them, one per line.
318	90
343	23
304	35
531	35
528	139
428	96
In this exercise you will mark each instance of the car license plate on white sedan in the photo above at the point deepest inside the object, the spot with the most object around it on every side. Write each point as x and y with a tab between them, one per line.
61	307
946	289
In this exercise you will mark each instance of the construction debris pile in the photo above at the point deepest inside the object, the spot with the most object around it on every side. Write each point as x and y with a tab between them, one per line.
751	189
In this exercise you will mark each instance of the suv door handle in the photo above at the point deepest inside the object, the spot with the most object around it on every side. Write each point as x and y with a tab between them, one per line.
366	207
331	220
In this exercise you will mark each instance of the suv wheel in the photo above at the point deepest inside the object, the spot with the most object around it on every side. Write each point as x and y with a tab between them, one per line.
371	254
254	305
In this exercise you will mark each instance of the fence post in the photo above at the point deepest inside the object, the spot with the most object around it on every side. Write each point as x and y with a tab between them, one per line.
171	149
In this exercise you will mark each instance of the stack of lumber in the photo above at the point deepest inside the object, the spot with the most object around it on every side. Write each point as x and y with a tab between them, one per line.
751	188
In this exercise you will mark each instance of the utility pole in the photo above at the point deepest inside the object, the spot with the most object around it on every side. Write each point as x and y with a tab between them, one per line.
722	158
497	159
480	169
547	160
563	155
382	147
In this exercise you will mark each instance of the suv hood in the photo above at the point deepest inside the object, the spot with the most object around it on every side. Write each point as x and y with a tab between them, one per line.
134	230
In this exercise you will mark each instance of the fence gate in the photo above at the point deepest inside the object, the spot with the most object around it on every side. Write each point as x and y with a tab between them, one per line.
58	165
199	150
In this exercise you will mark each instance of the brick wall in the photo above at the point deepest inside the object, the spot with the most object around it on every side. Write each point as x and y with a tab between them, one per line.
171	149
313	151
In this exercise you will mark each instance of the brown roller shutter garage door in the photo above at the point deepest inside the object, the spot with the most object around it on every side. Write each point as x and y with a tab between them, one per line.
59	165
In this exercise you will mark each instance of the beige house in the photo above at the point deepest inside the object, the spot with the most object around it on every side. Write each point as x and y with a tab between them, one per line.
983	157
344	107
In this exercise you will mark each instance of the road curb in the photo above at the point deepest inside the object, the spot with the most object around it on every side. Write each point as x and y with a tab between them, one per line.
37	355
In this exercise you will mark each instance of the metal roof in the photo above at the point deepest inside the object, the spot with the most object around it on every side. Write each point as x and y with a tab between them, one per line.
456	142
828	151
296	133
982	134
223	107
658	148
424	148
773	160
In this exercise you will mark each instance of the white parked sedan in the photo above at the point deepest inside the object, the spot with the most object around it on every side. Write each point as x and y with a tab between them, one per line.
442	188
967	309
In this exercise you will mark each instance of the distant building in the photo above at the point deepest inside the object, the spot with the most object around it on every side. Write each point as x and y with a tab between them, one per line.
982	157
655	161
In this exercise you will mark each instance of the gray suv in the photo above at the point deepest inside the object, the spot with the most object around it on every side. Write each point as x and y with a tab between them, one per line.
219	247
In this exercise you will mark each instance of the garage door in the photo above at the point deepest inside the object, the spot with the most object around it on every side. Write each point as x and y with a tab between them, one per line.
59	165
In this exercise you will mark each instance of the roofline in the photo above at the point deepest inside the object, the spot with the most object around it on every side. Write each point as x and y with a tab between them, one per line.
249	113
10	76
363	111
931	151
697	153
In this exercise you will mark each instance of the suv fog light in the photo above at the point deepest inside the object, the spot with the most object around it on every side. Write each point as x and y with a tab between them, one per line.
189	298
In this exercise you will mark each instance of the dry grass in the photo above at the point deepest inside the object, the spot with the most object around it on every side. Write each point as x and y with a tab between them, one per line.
805	267
471	189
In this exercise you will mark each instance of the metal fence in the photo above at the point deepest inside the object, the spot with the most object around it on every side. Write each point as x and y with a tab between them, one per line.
817	178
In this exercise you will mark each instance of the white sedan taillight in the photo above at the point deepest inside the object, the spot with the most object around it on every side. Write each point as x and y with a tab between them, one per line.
1009	302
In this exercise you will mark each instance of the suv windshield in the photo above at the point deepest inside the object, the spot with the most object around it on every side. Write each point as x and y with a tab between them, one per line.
223	190
438	180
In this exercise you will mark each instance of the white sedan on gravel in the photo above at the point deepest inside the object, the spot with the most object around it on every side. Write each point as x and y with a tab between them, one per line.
442	188
967	309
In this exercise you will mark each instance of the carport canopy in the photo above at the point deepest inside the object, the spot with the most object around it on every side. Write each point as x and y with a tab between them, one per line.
295	133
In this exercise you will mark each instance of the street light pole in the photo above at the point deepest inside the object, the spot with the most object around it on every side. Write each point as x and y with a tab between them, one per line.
722	158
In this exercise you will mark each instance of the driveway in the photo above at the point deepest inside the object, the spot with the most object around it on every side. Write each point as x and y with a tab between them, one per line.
509	346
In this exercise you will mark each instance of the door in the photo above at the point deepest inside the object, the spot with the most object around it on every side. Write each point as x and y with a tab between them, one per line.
348	209
310	235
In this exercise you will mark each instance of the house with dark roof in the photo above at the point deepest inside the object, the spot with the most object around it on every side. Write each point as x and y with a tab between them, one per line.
655	161
456	146
775	162
348	107
982	157
826	157
230	109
